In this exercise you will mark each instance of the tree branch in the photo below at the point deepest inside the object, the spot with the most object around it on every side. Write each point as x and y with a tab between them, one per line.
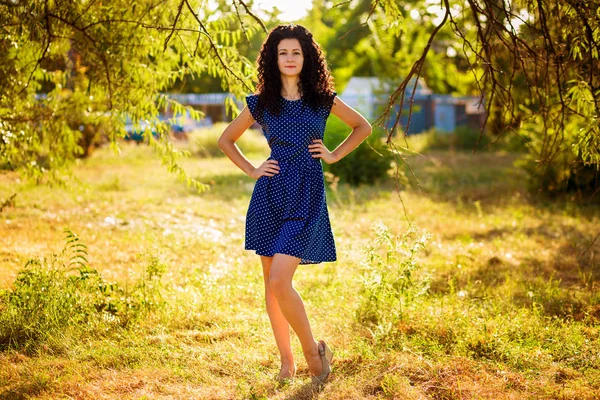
254	16
174	25
214	47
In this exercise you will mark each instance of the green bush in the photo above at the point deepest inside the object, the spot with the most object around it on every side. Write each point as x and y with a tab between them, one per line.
463	139
368	163
565	175
468	139
566	171
61	297
203	142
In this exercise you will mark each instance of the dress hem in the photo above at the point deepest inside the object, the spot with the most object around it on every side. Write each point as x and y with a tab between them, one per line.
306	261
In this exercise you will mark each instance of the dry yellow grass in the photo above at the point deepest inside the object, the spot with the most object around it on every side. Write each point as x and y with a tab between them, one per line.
492	246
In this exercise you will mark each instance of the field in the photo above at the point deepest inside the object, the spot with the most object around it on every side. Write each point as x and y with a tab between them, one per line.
493	294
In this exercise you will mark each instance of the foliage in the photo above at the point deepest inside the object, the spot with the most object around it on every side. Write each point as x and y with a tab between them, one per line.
534	62
62	296
367	164
383	39
71	70
536	65
390	282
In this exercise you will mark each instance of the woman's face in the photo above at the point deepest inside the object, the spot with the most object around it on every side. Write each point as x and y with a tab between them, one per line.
290	58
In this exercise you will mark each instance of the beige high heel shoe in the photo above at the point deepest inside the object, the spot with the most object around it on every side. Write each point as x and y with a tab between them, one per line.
326	356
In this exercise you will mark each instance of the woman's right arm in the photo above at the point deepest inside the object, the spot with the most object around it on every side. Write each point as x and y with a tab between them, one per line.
227	144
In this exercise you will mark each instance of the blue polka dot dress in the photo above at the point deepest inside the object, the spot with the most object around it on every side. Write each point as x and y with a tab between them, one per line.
288	213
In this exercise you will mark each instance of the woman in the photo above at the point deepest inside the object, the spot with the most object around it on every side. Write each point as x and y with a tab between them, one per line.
287	223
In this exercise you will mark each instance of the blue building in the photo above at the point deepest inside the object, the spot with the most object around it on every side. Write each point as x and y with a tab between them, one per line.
370	96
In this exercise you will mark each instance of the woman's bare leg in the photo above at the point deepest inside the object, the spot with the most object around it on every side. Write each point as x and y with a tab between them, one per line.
280	326
290	303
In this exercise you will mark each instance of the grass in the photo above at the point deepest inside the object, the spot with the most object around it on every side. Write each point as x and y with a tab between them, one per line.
511	310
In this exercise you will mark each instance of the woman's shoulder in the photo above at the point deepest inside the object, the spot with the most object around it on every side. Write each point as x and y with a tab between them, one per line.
252	100
330	100
255	111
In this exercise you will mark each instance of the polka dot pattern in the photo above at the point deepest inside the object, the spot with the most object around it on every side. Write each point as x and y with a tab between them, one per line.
288	212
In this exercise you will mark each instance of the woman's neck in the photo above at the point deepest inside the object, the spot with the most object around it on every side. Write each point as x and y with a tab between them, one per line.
289	87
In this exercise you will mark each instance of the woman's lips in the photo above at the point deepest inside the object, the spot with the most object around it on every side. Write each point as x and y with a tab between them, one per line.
290	66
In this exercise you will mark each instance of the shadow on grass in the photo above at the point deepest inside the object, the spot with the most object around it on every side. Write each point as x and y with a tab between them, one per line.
568	261
466	181
491	178
443	176
558	288
23	391
562	281
459	177
577	240
304	392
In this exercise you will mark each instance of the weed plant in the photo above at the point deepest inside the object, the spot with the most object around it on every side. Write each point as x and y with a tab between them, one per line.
390	280
61	298
518	325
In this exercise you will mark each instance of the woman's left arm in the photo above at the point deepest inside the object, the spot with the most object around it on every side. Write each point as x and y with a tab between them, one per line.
360	130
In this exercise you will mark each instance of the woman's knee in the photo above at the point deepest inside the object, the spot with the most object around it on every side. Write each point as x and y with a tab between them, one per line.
279	283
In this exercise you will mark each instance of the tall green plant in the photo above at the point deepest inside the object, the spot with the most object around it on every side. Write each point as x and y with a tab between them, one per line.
391	279
49	295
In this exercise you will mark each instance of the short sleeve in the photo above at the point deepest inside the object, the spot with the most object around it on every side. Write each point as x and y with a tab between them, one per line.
329	104
252	103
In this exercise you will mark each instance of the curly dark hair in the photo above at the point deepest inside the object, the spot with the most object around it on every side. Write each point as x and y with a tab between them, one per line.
316	82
